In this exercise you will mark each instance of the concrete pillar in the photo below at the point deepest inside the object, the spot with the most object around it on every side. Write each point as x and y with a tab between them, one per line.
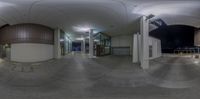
91	44
136	47
57	49
144	30
83	46
159	48
154	48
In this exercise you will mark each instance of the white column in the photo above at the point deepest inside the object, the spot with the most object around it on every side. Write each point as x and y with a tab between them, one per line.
144	30
91	44
136	48
83	46
159	49
155	48
57	49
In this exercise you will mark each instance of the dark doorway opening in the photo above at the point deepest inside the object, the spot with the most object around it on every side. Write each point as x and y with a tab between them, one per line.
175	37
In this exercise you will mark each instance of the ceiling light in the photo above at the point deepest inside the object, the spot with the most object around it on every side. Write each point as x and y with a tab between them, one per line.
81	29
80	39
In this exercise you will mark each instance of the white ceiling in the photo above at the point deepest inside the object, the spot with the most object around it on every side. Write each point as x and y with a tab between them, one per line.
112	16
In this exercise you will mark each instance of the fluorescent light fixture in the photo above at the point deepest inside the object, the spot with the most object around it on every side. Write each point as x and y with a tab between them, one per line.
81	28
85	29
80	39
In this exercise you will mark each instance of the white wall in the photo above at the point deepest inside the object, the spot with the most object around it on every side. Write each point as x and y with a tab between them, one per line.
154	42
156	46
30	52
122	41
127	41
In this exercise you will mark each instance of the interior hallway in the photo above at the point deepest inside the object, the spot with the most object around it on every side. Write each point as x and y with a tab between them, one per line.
77	77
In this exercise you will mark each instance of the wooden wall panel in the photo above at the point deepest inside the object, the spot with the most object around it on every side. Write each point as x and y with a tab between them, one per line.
27	33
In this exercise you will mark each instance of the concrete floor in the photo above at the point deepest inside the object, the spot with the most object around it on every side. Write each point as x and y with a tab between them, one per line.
109	77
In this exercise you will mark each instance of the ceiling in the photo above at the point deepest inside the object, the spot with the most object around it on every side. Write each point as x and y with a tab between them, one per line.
114	17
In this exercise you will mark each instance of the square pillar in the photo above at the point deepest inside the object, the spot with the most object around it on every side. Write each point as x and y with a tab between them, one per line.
136	48
83	46
144	30
91	44
57	49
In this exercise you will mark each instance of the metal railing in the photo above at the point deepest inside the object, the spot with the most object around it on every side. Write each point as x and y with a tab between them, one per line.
186	51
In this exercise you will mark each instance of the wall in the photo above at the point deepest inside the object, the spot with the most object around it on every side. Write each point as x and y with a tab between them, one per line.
31	52
26	33
155	49
122	41
29	42
127	41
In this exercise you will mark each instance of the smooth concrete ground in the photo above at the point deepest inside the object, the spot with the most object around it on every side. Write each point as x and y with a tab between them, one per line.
109	77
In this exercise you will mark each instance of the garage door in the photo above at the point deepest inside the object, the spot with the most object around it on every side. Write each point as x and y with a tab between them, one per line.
120	50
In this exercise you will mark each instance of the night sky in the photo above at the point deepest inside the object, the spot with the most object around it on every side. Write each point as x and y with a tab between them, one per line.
76	46
175	36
